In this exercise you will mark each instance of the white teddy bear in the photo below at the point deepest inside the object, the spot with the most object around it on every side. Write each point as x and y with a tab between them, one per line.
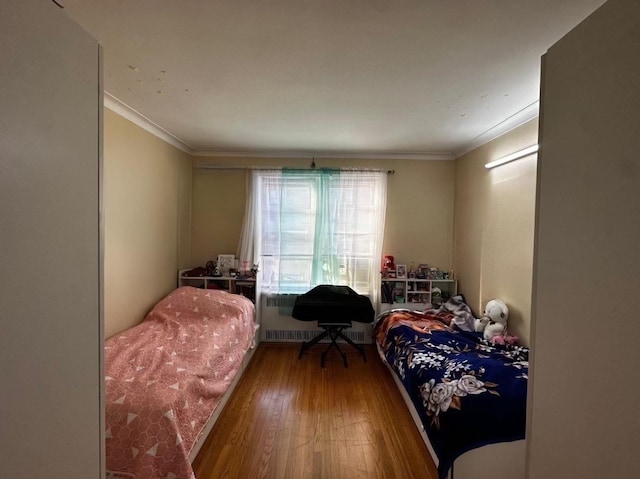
493	321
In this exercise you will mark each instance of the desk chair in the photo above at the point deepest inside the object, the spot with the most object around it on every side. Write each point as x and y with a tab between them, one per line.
333	308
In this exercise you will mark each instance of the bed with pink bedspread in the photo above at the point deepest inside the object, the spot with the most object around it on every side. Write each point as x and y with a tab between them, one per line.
165	378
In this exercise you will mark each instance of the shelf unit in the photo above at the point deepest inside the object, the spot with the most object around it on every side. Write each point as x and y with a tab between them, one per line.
232	284
414	293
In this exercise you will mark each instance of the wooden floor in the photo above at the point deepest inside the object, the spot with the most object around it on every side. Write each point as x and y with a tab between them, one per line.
290	418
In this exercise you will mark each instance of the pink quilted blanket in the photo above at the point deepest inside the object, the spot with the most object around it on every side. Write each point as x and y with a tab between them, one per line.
165	377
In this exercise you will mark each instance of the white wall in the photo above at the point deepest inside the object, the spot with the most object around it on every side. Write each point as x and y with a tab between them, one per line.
584	397
50	291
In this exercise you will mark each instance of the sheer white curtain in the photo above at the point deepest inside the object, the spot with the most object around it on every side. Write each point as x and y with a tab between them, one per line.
309	227
246	250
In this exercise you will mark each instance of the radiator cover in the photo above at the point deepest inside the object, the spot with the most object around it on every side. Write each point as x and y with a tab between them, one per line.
276	327
298	335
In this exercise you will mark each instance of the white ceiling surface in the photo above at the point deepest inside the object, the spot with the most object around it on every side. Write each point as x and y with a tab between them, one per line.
314	77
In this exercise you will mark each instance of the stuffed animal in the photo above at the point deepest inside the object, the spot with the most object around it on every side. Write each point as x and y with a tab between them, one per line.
493	321
505	340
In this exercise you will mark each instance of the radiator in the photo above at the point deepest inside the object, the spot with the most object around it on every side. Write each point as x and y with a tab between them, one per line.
298	335
279	327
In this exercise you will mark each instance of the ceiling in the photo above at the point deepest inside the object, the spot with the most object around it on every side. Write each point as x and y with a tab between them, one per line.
420	78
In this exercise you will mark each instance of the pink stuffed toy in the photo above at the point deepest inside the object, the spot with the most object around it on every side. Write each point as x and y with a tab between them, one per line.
503	339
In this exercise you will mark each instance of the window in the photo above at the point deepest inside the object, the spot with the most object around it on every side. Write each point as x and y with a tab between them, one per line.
318	227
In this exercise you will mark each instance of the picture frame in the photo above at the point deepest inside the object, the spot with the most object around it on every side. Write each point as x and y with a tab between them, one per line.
225	263
401	271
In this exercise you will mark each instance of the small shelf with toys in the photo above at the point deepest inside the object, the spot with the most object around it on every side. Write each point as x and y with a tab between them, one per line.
216	275
414	287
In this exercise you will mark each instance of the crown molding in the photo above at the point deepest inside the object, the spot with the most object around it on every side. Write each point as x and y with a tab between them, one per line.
514	121
137	118
355	154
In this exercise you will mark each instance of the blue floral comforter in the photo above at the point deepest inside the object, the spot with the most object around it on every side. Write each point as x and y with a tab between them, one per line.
468	392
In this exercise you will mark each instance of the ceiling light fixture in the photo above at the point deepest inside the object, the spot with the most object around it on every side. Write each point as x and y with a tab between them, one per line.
513	156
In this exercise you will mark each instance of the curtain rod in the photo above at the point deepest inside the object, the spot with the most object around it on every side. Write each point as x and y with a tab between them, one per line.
207	166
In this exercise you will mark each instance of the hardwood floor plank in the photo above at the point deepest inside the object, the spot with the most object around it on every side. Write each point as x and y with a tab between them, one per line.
290	418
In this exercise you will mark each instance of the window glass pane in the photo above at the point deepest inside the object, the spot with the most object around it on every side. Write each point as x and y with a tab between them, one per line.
295	274
332	216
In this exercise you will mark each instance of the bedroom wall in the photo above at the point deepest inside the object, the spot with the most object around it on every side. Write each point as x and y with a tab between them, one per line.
585	396
147	198
494	226
419	218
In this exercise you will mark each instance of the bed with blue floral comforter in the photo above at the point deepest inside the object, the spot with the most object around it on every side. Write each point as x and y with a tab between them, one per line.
467	391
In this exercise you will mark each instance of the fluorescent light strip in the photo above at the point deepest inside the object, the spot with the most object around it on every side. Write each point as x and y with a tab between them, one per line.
513	157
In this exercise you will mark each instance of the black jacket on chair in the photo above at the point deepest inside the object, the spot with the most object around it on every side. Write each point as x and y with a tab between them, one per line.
333	303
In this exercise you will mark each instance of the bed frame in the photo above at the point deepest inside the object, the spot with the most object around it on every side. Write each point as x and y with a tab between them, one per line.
505	460
206	430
